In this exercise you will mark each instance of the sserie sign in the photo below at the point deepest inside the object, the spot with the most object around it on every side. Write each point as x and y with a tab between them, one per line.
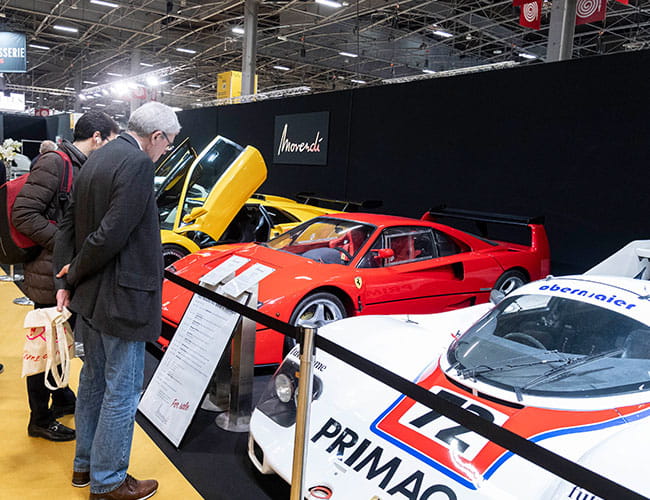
301	139
13	56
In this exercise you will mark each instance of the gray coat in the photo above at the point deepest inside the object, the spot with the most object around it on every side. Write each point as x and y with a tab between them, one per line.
111	237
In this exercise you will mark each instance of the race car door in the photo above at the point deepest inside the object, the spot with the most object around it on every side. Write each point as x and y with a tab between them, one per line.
220	181
414	269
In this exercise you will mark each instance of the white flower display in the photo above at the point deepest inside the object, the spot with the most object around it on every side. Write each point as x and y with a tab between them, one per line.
9	149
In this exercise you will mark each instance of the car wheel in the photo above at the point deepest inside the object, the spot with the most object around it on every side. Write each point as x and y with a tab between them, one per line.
315	310
171	253
510	280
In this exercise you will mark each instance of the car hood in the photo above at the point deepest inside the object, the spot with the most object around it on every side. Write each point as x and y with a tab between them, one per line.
292	275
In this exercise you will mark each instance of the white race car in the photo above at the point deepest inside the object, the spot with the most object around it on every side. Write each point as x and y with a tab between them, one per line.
563	362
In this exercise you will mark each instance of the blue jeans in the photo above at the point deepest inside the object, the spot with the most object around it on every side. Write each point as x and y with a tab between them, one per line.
110	385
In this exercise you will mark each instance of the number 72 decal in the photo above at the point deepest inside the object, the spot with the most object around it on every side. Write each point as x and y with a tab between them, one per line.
430	436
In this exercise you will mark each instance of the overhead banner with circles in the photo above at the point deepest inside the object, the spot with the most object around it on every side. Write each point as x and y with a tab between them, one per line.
530	14
590	11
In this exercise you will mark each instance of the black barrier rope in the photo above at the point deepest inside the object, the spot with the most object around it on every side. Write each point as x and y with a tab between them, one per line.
233	305
534	453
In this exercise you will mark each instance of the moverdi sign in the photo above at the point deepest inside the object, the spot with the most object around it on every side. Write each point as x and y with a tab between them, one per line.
301	138
13	54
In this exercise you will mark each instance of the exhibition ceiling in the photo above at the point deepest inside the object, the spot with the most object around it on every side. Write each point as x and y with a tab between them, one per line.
183	44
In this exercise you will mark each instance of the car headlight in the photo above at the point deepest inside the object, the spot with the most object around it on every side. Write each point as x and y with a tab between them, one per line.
283	388
278	402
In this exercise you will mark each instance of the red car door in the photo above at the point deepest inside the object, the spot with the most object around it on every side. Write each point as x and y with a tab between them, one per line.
413	269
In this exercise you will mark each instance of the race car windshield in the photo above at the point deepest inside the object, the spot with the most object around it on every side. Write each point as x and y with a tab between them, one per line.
325	240
554	346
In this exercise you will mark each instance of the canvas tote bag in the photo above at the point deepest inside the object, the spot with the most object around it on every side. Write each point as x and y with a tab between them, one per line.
48	343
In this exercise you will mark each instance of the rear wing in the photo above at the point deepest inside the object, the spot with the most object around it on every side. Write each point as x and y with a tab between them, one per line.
631	261
481	217
343	205
517	231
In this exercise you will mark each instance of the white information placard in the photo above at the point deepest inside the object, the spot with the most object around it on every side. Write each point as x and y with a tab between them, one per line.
223	270
180	381
246	280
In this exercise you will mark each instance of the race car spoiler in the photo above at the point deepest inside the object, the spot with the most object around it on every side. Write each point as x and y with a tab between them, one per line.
476	216
344	205
631	261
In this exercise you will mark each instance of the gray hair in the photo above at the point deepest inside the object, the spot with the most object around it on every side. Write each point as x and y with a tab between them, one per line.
153	116
47	146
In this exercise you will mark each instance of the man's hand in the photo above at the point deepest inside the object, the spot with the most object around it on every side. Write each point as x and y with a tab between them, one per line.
64	270
62	299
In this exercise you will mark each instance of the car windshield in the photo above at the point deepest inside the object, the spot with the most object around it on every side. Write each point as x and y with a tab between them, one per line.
554	346
326	240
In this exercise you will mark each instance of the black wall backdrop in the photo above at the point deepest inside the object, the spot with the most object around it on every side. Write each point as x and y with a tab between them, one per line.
567	140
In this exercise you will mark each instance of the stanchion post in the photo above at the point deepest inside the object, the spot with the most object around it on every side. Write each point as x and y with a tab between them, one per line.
12	276
301	438
240	408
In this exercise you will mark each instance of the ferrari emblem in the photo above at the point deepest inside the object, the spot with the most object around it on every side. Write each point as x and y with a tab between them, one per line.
358	282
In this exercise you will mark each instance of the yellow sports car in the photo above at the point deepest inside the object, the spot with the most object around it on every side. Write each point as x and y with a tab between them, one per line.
210	198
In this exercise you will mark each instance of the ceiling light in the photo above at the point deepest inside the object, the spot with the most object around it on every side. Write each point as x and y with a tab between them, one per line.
69	88
237	30
105	4
30	102
525	55
330	3
497	51
119	89
360	82
348	54
152	81
163	82
89	82
186	51
442	33
82	97
68	29
105	92
177	109
114	74
100	105
194	85
36	46
281	68
117	100
428	71
85	107
146	65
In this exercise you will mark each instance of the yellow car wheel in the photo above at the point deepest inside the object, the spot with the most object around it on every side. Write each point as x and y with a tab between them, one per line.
171	253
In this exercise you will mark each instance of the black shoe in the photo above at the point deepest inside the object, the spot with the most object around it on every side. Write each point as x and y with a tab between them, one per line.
56	431
59	411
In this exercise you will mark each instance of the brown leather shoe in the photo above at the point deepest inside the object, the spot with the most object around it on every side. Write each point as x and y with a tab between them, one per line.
80	479
130	489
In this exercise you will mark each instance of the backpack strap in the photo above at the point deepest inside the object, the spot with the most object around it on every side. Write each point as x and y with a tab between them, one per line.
66	181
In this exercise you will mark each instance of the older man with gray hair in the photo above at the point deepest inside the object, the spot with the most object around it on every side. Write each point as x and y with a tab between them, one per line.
111	269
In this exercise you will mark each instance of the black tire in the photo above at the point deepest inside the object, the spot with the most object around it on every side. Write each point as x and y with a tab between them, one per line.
510	280
316	310
171	253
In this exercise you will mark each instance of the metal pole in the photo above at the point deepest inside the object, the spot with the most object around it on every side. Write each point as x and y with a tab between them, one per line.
301	438
249	56
561	31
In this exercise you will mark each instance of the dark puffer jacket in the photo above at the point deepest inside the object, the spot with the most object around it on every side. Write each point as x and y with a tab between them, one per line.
34	212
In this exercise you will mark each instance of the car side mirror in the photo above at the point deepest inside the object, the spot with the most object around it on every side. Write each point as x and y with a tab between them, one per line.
383	253
496	296
194	214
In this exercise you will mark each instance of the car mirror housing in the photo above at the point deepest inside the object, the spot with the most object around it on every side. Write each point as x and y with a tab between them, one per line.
496	296
195	214
383	253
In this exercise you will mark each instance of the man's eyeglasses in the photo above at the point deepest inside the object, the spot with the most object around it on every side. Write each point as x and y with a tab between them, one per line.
169	146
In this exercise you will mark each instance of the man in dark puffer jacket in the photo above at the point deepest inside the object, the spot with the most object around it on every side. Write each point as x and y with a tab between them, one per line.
34	214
